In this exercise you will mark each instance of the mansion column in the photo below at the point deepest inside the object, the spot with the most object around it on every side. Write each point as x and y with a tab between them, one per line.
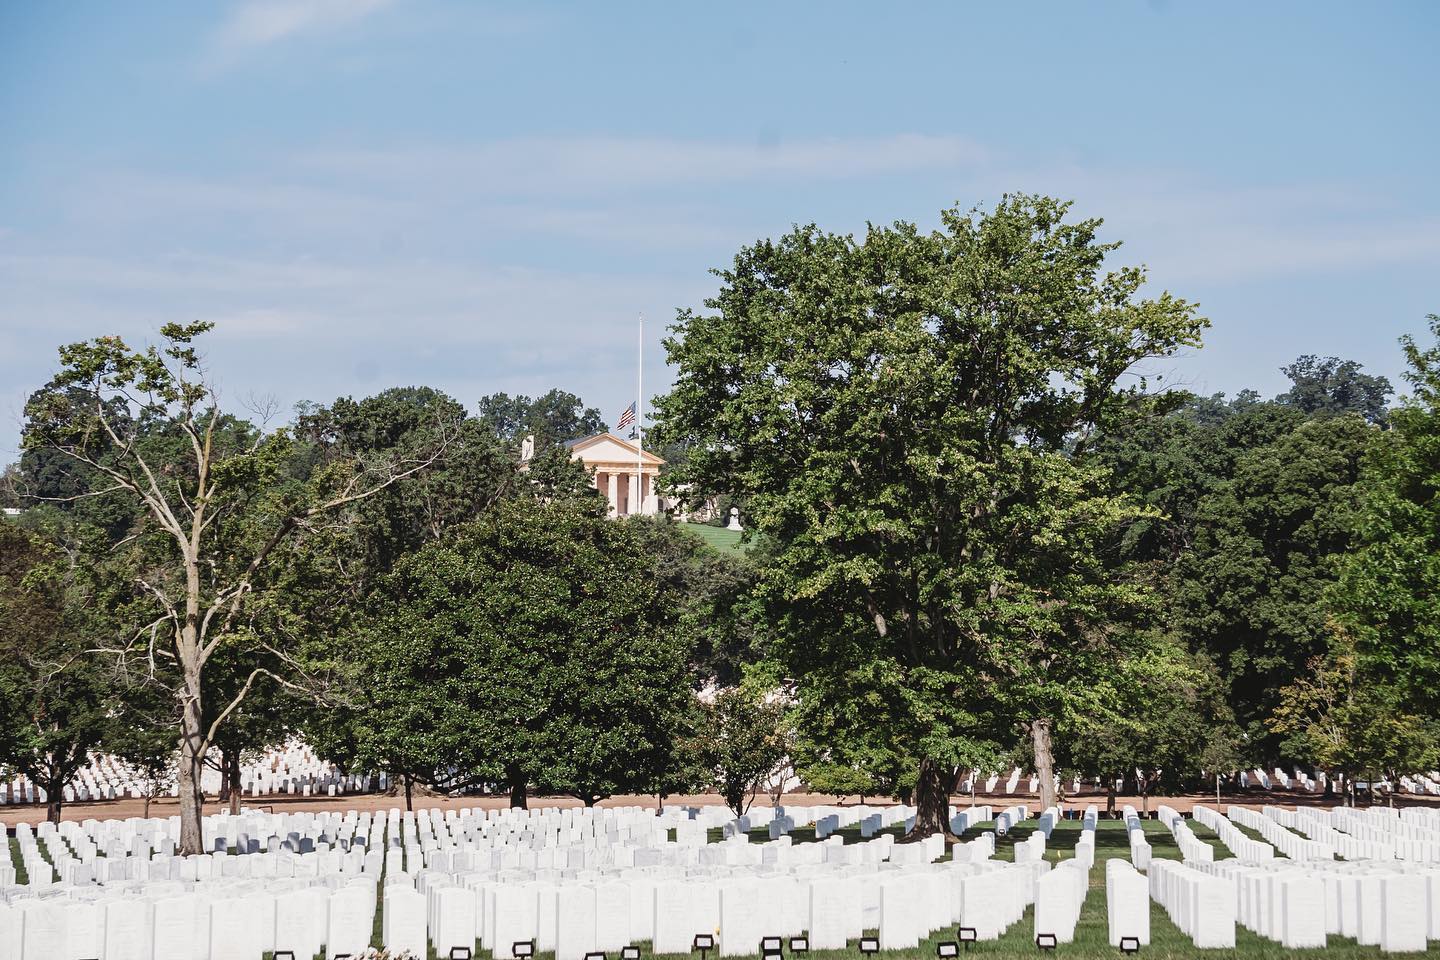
635	505
614	493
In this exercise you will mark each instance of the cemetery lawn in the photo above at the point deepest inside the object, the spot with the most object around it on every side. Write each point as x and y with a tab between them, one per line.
718	537
1091	937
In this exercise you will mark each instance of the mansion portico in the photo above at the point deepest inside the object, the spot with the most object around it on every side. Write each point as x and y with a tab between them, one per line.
627	480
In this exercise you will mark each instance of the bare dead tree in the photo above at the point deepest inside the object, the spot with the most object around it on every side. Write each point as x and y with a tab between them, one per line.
209	509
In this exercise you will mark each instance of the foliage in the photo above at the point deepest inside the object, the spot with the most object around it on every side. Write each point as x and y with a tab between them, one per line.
1157	717
1268	542
531	647
217	509
713	592
1354	723
906	414
1388	597
55	695
1329	385
744	743
552	418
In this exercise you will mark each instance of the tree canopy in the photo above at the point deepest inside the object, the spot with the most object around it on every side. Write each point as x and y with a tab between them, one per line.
906	414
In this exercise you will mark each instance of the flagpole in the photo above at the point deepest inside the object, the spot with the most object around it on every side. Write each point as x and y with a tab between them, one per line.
640	415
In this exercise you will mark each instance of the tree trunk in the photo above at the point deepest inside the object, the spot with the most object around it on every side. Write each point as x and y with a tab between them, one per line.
518	796
932	801
409	794
148	794
232	769
192	767
224	795
1044	762
1110	797
54	799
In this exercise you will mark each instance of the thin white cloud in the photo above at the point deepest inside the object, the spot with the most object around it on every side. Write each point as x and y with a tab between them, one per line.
256	23
561	163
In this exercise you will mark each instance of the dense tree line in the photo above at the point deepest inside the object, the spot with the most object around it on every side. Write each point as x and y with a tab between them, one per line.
980	536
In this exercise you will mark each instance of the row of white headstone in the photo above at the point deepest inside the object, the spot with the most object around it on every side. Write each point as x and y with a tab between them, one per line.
1191	846
1292	845
466	865
1307	895
1245	849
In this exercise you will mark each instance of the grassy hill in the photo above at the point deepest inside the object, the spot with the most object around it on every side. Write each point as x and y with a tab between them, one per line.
717	537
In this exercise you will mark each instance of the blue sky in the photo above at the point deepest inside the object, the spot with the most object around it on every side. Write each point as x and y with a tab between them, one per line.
369	193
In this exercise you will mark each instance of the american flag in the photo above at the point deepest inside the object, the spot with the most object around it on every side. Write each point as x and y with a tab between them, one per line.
626	419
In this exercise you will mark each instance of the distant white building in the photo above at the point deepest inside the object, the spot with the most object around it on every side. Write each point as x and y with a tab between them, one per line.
626	475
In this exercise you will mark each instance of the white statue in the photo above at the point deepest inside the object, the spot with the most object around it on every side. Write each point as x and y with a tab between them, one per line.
734	523
527	447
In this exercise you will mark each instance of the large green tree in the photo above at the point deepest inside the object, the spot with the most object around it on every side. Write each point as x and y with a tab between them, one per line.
1249	520
551	418
55	696
534	646
1388	598
1267	545
907	414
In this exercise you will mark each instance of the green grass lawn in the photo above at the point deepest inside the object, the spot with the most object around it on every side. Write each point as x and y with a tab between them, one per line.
717	537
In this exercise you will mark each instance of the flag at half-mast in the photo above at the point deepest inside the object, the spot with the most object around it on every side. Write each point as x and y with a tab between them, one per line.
627	419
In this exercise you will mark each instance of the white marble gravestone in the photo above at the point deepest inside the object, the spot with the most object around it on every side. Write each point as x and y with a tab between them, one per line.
351	921
899	914
11	921
676	918
1403	914
174	931
642	908
826	925
547	905
515	916
302	918
1302	910
742	922
231	931
1057	907
128	929
84	929
612	916
1127	903
42	934
403	921
575	922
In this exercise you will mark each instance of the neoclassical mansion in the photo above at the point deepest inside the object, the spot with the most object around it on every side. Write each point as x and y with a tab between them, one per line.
625	474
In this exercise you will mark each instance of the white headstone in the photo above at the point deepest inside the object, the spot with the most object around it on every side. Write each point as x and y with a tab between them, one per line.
1404	921
231	926
174	931
84	929
403	921
675	918
301	920
899	914
351	922
826	925
575	922
741	926
612	916
127	929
